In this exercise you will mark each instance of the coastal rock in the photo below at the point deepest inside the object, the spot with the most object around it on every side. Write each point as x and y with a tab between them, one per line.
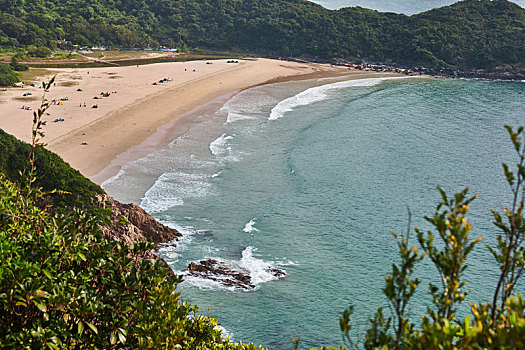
220	272
130	223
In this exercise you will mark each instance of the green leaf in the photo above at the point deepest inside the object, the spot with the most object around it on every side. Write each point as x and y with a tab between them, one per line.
41	306
121	337
92	326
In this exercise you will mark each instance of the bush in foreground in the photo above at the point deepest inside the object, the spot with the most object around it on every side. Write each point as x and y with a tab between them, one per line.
63	286
496	325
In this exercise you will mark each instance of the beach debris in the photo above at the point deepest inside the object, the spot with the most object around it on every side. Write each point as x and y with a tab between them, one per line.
220	272
27	108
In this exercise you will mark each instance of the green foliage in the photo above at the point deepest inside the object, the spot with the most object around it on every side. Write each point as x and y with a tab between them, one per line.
62	286
453	229
41	52
468	34
500	325
510	253
7	76
16	65
53	173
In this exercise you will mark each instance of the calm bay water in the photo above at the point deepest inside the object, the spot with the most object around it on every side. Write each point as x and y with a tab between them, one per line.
311	177
408	7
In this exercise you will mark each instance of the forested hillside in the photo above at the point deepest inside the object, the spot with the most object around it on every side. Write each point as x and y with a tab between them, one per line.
468	34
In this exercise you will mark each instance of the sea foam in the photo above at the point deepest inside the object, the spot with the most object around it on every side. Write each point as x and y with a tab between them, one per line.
249	227
172	188
259	269
220	145
319	93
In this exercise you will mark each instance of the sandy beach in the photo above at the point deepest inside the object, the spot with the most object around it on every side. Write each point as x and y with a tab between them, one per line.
106	112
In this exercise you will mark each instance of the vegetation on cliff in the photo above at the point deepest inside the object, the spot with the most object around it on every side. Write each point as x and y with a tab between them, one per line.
75	191
468	34
63	285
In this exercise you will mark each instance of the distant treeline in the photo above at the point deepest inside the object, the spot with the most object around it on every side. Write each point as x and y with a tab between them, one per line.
468	34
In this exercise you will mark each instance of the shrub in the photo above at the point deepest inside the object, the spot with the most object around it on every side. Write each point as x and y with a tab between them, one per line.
16	65
63	286
496	325
7	76
41	52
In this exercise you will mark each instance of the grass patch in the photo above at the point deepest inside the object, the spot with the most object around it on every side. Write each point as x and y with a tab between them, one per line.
137	61
69	83
34	74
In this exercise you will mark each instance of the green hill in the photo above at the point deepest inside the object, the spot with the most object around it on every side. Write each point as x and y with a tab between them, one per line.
468	34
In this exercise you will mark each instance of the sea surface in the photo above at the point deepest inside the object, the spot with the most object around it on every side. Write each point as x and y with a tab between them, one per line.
312	177
408	7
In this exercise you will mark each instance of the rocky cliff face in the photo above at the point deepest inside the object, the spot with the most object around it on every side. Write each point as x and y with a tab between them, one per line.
130	224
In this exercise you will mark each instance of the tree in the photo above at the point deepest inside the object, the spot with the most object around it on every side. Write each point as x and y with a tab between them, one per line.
7	76
16	65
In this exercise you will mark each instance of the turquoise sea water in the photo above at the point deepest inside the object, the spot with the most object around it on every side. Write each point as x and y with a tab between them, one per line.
408	7
311	177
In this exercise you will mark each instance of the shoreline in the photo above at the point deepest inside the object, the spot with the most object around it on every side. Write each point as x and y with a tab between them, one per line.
181	124
139	116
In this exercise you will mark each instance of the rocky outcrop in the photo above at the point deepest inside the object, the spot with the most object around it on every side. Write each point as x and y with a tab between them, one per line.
130	223
220	272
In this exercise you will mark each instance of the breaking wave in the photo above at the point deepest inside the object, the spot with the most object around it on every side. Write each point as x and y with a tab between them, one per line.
319	93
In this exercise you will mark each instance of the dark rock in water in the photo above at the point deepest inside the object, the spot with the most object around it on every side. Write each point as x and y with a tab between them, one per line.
220	272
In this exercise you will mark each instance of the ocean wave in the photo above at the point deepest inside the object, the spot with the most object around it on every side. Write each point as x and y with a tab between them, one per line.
235	117
113	178
220	145
249	227
204	283
258	269
171	189
246	105
224	332
319	93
